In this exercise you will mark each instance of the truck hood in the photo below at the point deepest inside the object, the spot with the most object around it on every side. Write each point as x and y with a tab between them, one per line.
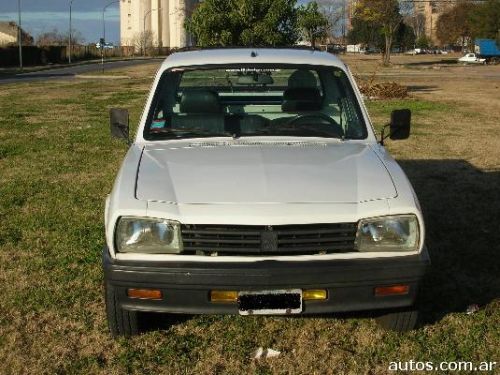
262	172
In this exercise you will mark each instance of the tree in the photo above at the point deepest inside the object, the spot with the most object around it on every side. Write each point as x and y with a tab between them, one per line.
56	38
371	34
423	42
456	25
367	33
312	22
333	12
51	38
405	37
26	38
244	23
143	41
485	20
76	37
384	13
417	22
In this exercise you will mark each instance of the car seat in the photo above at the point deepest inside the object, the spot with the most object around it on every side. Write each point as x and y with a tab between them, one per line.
199	109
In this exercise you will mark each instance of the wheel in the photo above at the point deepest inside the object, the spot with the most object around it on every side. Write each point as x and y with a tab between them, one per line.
399	320
121	322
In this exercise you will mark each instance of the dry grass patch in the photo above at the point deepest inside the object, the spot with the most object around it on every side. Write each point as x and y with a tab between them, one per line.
54	177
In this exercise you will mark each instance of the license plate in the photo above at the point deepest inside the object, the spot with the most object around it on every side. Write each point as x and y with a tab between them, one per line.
270	302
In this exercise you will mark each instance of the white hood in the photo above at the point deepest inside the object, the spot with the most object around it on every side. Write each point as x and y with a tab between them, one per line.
241	171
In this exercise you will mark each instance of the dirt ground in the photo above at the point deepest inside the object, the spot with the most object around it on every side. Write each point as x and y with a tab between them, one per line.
436	78
474	89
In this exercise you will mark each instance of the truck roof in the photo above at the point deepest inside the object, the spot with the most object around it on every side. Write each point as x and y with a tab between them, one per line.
218	56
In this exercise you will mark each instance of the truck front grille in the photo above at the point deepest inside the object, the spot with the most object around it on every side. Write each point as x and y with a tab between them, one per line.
226	240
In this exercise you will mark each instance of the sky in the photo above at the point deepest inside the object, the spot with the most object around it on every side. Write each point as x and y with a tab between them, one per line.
39	16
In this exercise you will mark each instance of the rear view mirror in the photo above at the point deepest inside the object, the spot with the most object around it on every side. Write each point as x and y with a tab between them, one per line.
119	123
400	124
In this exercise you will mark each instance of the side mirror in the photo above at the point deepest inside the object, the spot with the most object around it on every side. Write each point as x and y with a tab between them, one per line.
400	124
119	123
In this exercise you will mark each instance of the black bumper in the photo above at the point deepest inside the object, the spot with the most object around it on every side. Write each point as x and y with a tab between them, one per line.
186	286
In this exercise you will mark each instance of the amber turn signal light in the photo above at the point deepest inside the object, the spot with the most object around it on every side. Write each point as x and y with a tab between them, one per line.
223	295
392	290
144	293
314	294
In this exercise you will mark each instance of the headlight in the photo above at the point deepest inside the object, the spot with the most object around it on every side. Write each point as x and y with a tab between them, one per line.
389	233
150	236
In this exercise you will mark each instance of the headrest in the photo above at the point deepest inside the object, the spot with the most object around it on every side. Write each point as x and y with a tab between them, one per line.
300	99
302	78
200	101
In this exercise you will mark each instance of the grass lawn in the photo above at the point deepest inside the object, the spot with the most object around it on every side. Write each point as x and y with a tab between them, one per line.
58	162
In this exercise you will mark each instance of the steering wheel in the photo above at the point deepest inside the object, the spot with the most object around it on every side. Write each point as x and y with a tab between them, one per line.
325	119
326	124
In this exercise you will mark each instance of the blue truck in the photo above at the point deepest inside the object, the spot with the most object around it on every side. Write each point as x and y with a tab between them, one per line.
487	49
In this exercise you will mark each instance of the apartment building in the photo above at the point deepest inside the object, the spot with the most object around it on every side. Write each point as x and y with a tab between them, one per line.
432	10
350	10
164	19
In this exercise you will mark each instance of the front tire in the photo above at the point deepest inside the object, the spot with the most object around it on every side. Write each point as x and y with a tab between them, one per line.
121	322
399	320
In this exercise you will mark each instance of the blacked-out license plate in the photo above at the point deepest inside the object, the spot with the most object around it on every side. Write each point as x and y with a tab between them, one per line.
270	302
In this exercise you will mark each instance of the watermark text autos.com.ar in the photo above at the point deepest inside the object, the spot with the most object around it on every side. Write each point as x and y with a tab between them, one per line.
486	366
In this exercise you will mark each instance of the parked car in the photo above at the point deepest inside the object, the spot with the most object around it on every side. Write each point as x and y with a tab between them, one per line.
333	48
370	50
471	58
256	185
355	48
415	51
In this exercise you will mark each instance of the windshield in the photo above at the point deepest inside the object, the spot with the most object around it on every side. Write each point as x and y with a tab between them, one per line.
241	101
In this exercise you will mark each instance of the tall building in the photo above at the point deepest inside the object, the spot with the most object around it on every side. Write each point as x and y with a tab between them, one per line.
350	8
432	10
162	19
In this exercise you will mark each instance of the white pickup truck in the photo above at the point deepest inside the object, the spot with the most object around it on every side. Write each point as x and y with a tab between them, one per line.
256	185
471	58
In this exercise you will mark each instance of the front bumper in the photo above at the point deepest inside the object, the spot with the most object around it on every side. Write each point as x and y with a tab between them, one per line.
186	286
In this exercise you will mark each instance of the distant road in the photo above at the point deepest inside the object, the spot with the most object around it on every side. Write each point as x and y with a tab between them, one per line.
440	74
71	71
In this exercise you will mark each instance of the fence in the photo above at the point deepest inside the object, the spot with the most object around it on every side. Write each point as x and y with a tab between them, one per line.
32	55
